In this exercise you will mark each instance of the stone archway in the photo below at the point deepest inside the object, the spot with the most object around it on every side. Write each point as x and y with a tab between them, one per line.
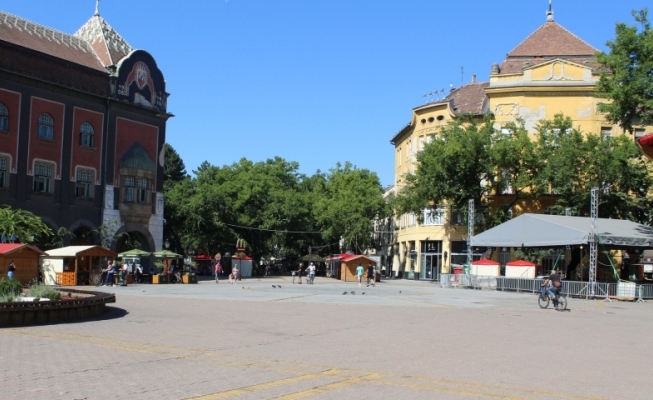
129	233
84	233
45	242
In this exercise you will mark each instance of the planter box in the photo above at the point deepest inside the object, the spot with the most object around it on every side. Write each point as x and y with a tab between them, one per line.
159	279
189	278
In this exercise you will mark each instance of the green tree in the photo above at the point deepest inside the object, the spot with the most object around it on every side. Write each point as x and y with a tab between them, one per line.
454	167
346	202
577	162
174	169
21	225
627	78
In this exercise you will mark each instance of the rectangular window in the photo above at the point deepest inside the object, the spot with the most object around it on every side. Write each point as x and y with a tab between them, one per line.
640	133
4	123
46	132
43	178
433	216
606	132
142	192
4	181
129	189
421	143
85	186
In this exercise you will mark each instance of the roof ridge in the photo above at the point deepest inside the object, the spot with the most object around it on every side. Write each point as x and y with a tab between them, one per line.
542	27
46	29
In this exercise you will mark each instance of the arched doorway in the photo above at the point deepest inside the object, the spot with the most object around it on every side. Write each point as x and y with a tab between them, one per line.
82	236
131	240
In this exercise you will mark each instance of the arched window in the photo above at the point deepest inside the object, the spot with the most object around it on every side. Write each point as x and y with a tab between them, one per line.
86	135
46	127
4	118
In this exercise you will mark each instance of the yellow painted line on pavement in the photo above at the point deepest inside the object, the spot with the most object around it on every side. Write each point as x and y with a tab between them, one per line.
327	388
256	388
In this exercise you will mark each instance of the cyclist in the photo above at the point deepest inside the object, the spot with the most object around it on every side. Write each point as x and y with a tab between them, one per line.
552	284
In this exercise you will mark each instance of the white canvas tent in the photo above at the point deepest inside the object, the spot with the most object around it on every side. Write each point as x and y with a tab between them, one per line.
541	230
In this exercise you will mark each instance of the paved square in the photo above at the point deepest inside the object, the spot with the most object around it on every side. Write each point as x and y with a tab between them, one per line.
399	340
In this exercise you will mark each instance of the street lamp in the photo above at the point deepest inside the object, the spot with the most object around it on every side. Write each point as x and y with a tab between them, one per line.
166	244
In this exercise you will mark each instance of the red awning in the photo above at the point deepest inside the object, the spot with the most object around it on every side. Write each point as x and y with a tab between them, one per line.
645	144
484	261
520	263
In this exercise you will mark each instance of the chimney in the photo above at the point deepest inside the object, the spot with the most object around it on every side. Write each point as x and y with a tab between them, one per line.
474	78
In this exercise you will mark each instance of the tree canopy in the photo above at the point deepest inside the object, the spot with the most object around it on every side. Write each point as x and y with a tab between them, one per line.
21	225
477	161
627	79
273	207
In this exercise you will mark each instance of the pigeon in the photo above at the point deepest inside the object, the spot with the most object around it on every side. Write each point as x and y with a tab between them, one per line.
400	291
279	286
274	286
352	292
344	292
363	292
142	290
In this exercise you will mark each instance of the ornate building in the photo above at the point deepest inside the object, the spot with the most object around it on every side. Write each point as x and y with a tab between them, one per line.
552	71
82	131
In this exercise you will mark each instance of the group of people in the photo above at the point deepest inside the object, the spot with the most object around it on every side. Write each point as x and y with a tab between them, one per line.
111	271
310	273
233	276
371	274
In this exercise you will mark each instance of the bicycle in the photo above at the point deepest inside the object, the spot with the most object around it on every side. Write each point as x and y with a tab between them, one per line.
559	301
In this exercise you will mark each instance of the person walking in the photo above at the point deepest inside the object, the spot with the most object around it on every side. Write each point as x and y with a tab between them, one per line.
11	269
299	273
125	273
371	274
218	267
111	271
311	273
359	273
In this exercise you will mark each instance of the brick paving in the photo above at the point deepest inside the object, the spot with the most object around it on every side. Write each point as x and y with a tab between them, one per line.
401	339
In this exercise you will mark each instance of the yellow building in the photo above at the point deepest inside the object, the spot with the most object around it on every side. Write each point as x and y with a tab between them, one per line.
552	71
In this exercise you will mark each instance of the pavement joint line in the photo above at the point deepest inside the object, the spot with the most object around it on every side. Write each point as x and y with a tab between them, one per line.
328	387
480	394
327	370
293	297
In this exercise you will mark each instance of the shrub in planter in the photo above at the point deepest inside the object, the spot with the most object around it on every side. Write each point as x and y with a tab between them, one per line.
10	287
39	290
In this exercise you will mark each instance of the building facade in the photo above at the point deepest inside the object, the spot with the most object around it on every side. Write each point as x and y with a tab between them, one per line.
82	131
552	71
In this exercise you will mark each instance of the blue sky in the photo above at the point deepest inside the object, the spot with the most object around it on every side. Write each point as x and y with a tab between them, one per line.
317	82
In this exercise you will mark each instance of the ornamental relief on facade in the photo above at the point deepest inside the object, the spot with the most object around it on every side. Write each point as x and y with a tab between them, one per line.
506	109
428	130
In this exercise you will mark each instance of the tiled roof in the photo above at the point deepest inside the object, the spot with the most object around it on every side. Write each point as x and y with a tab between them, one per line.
469	98
107	43
136	157
548	42
46	40
7	248
95	45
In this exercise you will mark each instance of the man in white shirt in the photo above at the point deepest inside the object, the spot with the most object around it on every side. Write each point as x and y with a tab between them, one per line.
311	273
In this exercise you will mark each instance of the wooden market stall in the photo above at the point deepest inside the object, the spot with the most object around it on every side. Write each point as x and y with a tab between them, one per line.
26	259
74	265
348	267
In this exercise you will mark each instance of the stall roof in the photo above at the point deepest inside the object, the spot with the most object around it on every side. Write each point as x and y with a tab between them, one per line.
8	248
541	230
520	263
74	251
484	261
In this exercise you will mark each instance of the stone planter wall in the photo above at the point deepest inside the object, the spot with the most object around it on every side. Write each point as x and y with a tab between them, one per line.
48	312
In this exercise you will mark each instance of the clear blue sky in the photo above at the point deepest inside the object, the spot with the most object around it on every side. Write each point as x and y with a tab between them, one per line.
316	81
